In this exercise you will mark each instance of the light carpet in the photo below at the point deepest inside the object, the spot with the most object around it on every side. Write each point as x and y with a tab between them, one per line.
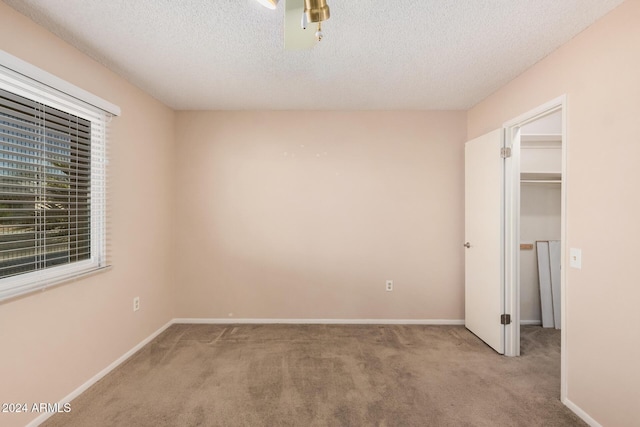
328	375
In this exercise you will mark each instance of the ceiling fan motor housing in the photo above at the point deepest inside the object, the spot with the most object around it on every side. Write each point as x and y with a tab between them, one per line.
316	10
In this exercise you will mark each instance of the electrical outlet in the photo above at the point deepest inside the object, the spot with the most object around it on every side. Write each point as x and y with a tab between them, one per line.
136	304
389	286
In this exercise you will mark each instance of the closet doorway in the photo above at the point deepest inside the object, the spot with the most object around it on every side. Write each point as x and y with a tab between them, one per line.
540	221
535	198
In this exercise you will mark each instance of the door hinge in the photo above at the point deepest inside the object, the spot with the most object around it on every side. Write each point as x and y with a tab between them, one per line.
505	319
505	152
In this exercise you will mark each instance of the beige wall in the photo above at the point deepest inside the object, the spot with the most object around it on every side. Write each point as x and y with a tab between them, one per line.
53	341
599	71
306	214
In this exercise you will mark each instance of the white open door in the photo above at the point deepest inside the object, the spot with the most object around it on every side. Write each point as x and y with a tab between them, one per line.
484	236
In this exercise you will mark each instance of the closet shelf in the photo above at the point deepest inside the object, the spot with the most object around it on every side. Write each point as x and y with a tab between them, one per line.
540	178
534	140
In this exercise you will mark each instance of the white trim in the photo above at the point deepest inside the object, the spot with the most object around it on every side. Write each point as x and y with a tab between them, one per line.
510	244
19	66
581	413
512	128
564	253
512	215
531	322
97	377
232	320
42	286
25	80
537	112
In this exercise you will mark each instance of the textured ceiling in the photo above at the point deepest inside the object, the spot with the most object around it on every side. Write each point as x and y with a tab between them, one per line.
398	54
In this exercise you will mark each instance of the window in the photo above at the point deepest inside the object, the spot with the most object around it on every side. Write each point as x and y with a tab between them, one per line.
52	185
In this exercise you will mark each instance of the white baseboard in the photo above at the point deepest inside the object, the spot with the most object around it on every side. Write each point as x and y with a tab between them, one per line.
97	377
581	413
231	320
75	393
43	417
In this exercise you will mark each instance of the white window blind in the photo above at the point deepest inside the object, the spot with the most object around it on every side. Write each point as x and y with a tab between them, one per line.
45	186
52	185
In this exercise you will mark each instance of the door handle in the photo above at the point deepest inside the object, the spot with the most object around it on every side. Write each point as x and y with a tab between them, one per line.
467	245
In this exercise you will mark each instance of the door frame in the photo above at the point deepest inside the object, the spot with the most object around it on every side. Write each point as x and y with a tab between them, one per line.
512	231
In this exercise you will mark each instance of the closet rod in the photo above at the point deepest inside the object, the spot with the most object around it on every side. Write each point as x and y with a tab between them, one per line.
541	181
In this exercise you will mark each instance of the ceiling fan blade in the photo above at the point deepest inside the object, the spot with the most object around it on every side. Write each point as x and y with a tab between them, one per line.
295	38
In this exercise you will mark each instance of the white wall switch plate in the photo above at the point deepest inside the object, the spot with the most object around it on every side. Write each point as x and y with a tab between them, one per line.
575	258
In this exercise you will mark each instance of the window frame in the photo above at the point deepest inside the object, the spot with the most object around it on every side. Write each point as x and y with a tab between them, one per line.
28	81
